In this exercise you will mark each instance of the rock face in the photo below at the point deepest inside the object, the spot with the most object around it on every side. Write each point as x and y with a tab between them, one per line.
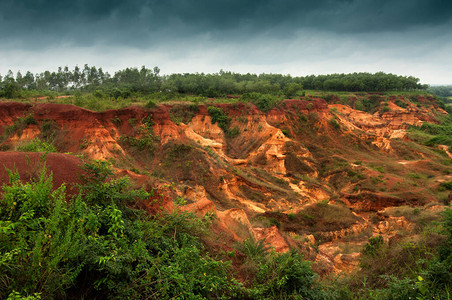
253	182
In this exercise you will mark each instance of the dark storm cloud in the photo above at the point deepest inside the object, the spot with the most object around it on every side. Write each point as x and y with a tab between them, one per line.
148	22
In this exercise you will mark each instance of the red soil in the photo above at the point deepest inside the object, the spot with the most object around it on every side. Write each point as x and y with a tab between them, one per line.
64	168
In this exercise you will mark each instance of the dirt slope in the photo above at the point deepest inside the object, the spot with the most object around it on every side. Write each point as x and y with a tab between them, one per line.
309	174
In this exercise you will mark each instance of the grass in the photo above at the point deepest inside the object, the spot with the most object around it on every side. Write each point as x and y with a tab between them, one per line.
434	134
418	216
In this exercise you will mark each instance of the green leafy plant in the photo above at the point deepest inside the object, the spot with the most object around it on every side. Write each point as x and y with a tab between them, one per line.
36	145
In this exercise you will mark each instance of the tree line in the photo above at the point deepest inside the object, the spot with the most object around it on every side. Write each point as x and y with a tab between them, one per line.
142	80
443	91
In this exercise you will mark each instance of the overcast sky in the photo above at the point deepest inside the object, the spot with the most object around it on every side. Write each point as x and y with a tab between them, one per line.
297	37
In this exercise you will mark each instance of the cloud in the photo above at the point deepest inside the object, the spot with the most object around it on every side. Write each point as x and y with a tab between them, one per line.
144	23
308	52
285	36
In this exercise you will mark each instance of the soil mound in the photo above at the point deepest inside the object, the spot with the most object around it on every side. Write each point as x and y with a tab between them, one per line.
63	167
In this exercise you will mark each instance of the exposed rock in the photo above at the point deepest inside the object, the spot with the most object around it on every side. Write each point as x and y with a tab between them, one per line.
272	236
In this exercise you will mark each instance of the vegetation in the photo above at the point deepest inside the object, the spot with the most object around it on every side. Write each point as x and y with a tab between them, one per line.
36	145
96	245
146	139
408	269
183	113
441	91
99	243
264	102
134	82
434	134
218	116
20	124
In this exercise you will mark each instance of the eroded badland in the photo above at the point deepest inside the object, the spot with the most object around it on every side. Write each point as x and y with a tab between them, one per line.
309	174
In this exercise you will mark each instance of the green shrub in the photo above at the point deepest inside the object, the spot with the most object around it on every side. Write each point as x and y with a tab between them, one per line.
283	276
36	145
218	116
372	246
401	104
254	249
264	102
20	124
98	246
233	132
183	113
334	123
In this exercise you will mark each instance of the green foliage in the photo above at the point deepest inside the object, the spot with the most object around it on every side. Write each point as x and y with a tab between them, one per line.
20	124
150	104
10	90
368	104
264	102
416	269
362	82
334	123
17	296
183	113
36	145
233	132
283	276
39	238
401	104
373	245
97	246
441	91
146	139
292	89
277	276
254	249
436	134
134	82
218	116
445	186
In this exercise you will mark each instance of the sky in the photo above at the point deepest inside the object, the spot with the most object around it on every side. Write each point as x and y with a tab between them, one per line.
297	37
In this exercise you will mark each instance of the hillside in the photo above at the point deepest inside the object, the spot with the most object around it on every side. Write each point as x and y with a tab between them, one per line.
314	174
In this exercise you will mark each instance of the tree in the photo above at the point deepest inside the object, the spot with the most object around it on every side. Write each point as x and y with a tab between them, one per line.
291	89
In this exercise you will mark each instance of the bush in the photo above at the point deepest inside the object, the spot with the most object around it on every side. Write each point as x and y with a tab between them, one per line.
20	124
36	145
218	116
286	275
264	102
183	113
445	186
96	246
334	123
233	132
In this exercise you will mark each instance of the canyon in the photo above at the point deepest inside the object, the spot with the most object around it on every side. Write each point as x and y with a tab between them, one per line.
310	174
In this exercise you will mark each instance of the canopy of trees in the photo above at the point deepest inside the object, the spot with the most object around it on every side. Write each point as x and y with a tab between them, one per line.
144	81
444	91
